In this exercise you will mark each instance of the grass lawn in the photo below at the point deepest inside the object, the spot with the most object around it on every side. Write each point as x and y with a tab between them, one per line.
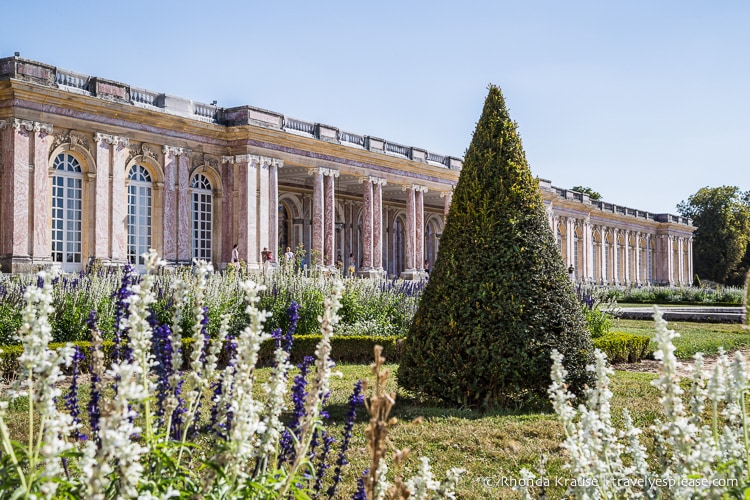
490	446
694	337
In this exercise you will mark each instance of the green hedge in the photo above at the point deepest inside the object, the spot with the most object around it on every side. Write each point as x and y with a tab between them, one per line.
349	349
621	347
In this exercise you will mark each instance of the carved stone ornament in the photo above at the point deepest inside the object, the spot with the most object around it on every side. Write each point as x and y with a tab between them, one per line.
30	126
206	159
141	149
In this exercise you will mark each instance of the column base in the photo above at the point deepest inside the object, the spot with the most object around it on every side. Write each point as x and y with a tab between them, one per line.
372	273
17	264
414	274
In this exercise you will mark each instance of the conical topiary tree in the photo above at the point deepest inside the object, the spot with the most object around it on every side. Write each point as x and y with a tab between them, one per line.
499	298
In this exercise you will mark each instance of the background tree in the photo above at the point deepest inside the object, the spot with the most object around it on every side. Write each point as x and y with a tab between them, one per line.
587	190
499	298
720	242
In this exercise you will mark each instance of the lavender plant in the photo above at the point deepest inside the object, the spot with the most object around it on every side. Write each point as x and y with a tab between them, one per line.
139	441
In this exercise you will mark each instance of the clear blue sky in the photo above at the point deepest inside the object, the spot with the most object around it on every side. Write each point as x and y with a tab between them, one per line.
644	101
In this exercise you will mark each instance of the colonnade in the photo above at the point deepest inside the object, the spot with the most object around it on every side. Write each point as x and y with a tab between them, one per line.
597	252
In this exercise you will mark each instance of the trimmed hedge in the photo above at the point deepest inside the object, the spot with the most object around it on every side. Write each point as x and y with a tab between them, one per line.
349	349
623	347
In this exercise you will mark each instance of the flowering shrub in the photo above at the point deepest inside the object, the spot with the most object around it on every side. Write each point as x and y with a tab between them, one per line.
154	431
701	446
672	294
386	306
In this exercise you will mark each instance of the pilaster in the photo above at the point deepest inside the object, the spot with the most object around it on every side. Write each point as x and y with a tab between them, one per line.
171	155
184	253
15	196
41	244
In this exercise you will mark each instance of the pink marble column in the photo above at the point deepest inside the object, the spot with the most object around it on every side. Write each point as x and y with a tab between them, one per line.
263	205
247	226
184	253
615	258
119	200
330	220
419	228
377	225
101	194
15	194
273	212
411	229
228	237
41	249
367	224
448	198
170	203
318	202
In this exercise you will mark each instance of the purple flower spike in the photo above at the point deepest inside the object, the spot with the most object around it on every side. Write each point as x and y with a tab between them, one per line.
355	399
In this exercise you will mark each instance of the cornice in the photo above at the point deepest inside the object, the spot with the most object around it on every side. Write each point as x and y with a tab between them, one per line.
143	125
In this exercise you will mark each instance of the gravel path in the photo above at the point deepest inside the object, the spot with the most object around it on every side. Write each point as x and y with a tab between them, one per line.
684	367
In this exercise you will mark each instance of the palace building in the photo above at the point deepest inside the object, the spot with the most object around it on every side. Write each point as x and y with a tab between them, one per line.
93	169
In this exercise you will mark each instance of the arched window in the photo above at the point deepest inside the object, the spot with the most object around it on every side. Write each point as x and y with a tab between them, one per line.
67	212
202	217
139	214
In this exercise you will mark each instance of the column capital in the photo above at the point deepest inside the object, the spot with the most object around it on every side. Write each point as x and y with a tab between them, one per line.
373	179
29	126
173	150
414	187
443	194
229	159
249	159
323	171
111	139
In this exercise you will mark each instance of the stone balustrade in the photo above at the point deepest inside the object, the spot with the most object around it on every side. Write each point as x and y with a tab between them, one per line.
604	206
24	69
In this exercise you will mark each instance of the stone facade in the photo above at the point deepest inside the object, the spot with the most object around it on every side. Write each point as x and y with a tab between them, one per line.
92	169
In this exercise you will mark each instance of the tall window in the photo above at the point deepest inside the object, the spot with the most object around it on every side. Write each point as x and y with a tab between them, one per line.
202	217
139	214
67	211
